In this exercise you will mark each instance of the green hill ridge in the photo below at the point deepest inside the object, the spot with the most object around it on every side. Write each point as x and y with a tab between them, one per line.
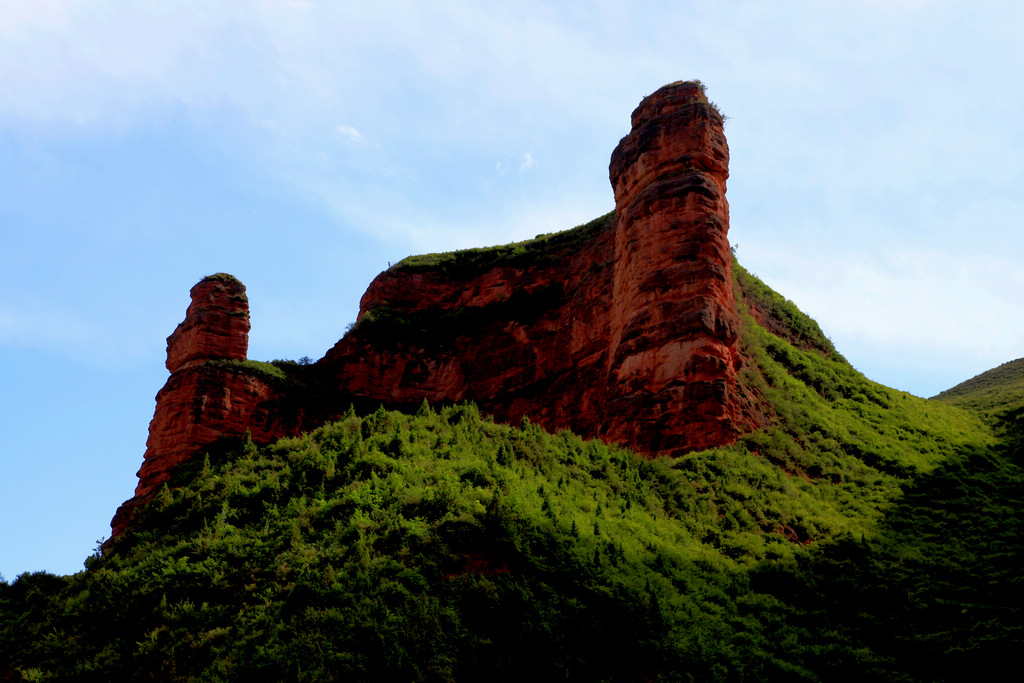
867	534
994	391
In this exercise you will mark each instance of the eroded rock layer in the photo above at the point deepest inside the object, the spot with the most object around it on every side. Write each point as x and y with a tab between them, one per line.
216	324
519	334
630	334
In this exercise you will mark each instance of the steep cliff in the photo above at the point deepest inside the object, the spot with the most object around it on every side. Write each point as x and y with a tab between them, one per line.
520	331
626	328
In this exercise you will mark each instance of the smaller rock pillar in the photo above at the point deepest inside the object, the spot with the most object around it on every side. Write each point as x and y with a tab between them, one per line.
216	324
196	405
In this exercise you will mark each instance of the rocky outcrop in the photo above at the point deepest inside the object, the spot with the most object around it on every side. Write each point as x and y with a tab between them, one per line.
216	324
212	392
517	333
626	328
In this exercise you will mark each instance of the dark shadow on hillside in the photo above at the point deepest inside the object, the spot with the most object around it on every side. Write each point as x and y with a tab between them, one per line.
938	596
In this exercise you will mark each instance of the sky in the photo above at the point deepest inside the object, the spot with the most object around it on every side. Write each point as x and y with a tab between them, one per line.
877	165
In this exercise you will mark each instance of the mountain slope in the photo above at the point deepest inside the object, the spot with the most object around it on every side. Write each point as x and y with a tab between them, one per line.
865	533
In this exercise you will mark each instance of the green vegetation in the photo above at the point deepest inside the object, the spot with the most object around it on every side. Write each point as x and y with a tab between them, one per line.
272	373
704	96
865	535
536	252
384	326
998	397
277	373
994	392
221	277
782	316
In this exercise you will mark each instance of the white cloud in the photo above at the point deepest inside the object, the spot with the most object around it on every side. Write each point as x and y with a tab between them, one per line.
352	136
941	316
525	162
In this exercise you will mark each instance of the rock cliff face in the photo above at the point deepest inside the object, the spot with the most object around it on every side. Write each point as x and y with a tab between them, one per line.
625	329
520	335
216	324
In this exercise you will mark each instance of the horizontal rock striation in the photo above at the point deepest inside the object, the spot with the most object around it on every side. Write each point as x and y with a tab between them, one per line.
674	354
519	336
216	324
630	335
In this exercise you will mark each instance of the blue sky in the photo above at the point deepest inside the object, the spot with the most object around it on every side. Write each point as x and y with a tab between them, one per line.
877	160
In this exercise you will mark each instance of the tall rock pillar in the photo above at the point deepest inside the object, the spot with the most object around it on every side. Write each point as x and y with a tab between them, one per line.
673	357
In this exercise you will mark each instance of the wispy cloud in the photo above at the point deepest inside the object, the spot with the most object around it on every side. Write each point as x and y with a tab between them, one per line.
352	136
525	162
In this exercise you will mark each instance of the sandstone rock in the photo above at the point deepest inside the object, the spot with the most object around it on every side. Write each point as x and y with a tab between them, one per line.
625	329
515	339
631	336
674	329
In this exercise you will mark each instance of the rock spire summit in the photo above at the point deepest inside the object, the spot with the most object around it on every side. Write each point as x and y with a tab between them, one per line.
674	326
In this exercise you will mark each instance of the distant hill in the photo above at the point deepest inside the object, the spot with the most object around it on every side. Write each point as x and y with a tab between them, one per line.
996	390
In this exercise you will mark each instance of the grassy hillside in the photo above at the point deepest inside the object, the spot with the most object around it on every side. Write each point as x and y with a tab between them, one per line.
995	391
866	535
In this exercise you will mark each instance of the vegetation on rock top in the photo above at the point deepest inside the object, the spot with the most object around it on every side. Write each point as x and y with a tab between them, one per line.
543	248
221	277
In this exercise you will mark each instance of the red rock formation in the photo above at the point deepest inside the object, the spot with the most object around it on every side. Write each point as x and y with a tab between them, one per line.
625	329
216	324
526	336
674	331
